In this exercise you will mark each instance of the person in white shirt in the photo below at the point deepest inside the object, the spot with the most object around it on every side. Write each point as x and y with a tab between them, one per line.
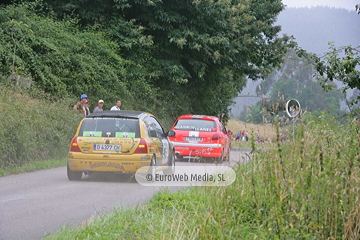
117	106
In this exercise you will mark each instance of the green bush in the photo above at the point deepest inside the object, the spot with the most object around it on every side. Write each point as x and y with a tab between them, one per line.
32	129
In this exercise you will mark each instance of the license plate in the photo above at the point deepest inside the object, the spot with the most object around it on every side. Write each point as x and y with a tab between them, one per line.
193	139
107	147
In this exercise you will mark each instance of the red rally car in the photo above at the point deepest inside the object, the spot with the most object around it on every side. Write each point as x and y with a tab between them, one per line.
200	136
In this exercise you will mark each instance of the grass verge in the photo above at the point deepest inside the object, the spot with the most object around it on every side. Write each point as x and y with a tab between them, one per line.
34	166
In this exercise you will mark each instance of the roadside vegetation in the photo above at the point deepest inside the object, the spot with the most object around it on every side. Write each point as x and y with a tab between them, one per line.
267	131
34	128
154	56
307	189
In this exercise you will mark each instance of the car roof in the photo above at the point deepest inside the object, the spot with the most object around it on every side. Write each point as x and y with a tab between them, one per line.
119	114
203	117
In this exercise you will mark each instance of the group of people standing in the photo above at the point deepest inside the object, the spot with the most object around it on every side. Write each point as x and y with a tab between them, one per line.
242	136
83	105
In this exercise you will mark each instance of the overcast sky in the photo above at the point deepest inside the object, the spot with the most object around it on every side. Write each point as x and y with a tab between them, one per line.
347	4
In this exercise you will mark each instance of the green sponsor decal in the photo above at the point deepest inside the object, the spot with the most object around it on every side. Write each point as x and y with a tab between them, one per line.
125	134
92	134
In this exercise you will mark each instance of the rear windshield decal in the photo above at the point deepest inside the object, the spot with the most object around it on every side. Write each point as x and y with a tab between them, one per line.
109	126
92	134
196	125
200	129
125	134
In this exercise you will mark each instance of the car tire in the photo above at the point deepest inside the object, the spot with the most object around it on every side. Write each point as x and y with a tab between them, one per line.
171	167
218	160
179	158
73	175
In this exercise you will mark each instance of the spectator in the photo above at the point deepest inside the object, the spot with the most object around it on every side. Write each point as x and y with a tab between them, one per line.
229	132
237	138
99	107
86	105
281	137
117	106
80	106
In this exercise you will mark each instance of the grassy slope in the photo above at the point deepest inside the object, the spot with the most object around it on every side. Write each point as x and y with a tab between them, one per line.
33	129
267	131
303	190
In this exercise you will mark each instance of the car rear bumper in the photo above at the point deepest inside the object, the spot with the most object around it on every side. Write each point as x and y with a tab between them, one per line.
92	162
198	149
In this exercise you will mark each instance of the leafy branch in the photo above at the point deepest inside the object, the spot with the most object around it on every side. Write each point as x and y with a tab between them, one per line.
340	63
17	35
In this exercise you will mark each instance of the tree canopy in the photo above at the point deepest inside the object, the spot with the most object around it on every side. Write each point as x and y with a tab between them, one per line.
175	57
294	80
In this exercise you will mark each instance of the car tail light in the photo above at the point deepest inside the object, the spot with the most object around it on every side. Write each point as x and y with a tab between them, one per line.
216	136
74	145
142	148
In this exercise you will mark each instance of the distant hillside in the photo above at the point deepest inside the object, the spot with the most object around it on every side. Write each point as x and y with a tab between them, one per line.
312	28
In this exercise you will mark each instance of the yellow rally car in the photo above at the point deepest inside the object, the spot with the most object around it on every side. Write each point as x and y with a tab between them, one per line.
119	141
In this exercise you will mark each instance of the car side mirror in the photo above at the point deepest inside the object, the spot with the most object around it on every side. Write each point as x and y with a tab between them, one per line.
171	133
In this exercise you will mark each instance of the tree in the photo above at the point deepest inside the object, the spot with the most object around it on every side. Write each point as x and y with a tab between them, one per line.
295	80
60	59
332	66
189	56
207	45
311	95
340	64
17	32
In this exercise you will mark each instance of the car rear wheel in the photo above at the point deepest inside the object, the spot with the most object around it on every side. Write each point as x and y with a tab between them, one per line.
73	175
218	160
171	167
179	157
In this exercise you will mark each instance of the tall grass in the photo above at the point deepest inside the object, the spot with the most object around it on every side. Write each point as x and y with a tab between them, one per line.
33	126
303	190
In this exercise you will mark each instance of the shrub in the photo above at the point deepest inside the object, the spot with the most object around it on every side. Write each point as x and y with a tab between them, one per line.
33	128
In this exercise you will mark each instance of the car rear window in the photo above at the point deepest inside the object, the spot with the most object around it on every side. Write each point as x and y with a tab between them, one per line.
110	127
196	125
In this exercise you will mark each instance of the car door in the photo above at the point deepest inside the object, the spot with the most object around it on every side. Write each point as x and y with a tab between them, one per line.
159	138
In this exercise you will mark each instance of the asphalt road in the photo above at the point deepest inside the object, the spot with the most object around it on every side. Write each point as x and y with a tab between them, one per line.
35	204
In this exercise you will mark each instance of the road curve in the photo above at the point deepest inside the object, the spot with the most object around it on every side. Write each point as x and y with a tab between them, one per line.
35	204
